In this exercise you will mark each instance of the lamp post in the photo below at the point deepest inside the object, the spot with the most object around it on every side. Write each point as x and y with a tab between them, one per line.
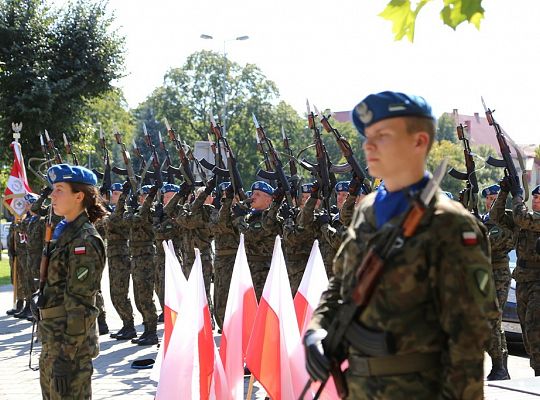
224	73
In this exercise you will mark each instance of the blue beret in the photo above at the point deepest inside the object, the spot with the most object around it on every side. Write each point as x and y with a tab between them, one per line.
263	187
145	189
170	187
31	197
450	195
384	105
224	186
493	189
536	190
306	187
342	186
116	187
70	173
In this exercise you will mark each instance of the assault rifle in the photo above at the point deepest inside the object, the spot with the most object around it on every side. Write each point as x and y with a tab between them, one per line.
52	147
128	172
69	150
346	151
158	179
105	176
167	164
507	163
366	278
294	180
144	176
322	170
469	196
231	172
276	173
185	167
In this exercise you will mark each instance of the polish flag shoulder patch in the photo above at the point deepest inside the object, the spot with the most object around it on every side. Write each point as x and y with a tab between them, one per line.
80	250
469	238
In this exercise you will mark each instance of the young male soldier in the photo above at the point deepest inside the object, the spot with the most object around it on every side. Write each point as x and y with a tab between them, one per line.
260	228
430	306
527	272
502	240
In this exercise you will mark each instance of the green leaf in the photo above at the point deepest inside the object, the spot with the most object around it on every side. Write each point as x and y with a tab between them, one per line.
403	17
455	12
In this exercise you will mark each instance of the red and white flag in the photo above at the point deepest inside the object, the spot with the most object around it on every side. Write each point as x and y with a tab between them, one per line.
188	367
238	322
275	355
313	284
175	288
17	184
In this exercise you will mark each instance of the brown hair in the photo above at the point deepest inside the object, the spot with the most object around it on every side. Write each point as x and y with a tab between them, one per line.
92	201
420	124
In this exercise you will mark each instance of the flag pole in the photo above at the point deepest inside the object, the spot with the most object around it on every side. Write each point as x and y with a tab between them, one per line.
250	387
16	136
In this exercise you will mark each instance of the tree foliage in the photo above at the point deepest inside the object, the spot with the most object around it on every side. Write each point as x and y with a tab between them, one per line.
446	128
403	14
56	60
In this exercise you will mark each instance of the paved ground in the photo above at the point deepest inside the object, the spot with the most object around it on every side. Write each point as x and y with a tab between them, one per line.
113	377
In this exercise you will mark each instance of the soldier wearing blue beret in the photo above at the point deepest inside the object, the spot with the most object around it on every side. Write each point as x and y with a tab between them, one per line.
342	190
77	258
431	302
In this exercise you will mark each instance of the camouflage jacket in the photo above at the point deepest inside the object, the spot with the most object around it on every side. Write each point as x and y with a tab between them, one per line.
501	236
435	294
35	234
528	223
141	233
76	263
117	229
194	223
297	242
260	229
226	237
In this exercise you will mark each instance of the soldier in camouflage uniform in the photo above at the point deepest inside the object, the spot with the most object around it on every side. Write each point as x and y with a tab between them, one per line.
164	230
77	258
260	228
297	242
527	272
431	305
117	235
142	251
195	223
24	275
226	241
12	254
502	240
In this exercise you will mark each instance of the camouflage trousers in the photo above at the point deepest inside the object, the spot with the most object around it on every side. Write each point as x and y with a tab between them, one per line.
528	309
23	286
259	272
143	287
223	268
160	277
80	379
33	260
119	273
497	341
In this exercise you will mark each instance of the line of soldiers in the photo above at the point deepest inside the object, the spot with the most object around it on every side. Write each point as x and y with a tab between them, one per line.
189	217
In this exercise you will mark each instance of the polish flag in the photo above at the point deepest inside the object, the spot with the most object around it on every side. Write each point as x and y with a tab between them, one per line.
175	287
188	368
17	184
238	322
313	284
275	355
220	389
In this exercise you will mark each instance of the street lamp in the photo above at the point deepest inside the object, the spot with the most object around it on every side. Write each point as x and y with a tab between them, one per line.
224	73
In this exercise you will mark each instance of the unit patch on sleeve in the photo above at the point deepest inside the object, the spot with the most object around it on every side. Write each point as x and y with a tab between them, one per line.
80	250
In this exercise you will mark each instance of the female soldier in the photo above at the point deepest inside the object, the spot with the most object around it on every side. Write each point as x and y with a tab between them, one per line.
77	259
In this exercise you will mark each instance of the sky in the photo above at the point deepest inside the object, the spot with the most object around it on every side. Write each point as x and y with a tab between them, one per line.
336	53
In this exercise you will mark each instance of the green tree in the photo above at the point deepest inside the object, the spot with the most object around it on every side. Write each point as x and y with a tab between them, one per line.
56	60
537	152
446	128
403	14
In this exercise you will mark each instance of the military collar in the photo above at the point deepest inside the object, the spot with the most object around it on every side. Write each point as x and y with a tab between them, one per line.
73	227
